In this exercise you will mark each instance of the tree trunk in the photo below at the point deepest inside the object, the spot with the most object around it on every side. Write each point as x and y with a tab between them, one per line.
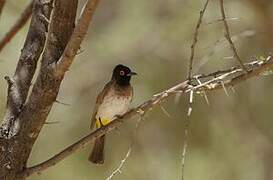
25	118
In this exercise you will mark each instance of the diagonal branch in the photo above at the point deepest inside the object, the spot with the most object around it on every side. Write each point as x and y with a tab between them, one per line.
257	68
26	66
195	38
32	116
228	37
14	152
77	37
127	155
17	26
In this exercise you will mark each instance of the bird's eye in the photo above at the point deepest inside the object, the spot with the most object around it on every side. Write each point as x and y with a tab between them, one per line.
121	73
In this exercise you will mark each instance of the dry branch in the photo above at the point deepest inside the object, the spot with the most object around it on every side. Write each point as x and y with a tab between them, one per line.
215	83
195	38
77	37
61	44
17	26
127	155
228	36
33	112
12	155
26	66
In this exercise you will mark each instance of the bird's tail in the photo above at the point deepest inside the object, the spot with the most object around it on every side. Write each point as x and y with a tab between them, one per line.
97	154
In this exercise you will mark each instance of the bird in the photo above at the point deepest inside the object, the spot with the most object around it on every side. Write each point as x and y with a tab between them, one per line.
113	101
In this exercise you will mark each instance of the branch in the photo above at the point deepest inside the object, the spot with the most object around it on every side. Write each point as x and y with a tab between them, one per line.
13	151
195	38
46	86
140	110
17	26
213	84
121	164
77	37
124	160
228	37
26	66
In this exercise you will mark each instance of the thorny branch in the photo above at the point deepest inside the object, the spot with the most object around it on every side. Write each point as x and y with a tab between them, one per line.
196	38
229	79
219	45
228	37
17	26
20	84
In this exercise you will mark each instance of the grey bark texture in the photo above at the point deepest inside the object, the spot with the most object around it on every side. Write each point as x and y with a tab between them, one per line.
27	110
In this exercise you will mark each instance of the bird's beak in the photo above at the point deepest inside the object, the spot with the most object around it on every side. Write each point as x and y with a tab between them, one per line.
132	73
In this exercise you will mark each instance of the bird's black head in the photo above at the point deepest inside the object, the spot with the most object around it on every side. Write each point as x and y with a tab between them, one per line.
122	75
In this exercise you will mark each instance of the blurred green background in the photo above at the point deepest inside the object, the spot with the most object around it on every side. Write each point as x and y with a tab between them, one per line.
230	139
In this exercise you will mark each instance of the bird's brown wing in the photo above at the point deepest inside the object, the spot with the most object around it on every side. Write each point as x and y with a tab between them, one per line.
98	103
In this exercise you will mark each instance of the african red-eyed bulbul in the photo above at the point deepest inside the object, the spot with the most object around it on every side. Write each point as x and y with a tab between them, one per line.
112	101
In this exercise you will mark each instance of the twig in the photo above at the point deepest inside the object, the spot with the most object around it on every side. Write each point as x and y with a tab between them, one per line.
219	45
195	38
118	169
2	3
220	20
122	162
17	26
145	107
77	37
228	37
221	72
62	103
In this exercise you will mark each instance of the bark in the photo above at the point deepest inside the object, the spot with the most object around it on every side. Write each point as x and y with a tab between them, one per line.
28	117
20	83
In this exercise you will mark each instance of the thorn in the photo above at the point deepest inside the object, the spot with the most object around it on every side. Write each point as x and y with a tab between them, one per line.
140	111
203	93
190	103
229	57
233	89
52	122
165	111
59	102
224	87
80	51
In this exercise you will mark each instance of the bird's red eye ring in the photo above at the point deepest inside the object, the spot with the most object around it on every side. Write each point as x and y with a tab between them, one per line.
122	73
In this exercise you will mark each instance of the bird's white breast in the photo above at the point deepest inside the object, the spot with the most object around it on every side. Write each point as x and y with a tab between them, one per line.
113	105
